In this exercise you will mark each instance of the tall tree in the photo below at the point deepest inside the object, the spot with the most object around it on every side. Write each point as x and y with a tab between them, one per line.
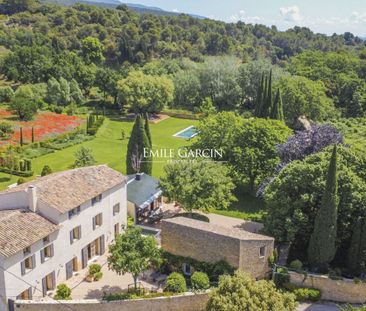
133	253
259	101
24	103
322	245
147	129
267	107
138	157
277	109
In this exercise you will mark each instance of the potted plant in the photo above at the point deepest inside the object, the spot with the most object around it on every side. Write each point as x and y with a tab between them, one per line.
93	270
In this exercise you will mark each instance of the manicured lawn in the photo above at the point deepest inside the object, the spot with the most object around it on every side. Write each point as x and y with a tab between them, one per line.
247	207
109	148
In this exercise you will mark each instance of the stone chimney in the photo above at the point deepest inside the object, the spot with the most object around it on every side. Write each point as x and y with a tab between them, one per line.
32	198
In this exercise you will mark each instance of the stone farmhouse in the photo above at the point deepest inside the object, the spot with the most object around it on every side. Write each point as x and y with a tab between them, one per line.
207	242
56	225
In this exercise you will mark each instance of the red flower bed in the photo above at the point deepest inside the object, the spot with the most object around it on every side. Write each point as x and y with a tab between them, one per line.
46	125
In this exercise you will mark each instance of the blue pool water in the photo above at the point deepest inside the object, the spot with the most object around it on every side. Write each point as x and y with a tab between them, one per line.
188	132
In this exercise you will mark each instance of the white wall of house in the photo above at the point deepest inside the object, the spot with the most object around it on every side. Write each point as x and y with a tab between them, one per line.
64	251
13	200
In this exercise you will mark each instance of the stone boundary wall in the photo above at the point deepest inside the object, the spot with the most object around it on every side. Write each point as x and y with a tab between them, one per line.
186	302
335	290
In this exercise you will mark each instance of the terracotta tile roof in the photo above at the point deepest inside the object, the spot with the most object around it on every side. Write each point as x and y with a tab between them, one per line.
205	226
20	229
67	190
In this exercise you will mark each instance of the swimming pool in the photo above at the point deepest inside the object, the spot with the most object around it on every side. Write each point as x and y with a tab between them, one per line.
188	132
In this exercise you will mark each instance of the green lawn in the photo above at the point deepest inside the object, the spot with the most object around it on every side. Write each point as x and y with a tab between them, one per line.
109	148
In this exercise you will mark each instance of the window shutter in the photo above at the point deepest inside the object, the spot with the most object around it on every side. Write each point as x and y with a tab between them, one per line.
33	261
79	232
84	257
94	223
101	219
30	294
71	236
44	286
102	245
22	267
52	250
42	255
53	280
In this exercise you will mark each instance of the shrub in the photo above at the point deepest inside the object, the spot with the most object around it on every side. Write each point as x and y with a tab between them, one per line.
46	170
352	308
5	130
63	292
94	268
281	277
307	294
98	276
242	292
199	281
296	264
175	283
6	94
21	181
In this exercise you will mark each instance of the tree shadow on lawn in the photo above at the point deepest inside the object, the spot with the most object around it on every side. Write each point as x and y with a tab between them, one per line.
103	291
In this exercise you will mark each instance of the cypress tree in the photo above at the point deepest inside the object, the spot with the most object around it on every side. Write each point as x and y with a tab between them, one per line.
147	129
259	102
322	245
32	134
354	251
267	103
138	142
21	136
277	109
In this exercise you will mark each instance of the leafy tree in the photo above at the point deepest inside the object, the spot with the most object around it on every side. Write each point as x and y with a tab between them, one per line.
106	81
24	103
138	157
92	50
187	89
303	97
254	154
241	293
145	93
84	157
76	95
133	253
322	244
219	131
198	184
46	170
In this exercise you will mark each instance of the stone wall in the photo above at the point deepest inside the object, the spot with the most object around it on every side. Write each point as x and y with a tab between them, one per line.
200	245
187	302
250	259
335	290
211	246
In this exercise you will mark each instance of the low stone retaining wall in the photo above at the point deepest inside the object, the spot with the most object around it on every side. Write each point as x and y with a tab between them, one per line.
186	302
335	290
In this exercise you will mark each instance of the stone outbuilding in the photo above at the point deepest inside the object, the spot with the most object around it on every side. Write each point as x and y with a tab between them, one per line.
206	242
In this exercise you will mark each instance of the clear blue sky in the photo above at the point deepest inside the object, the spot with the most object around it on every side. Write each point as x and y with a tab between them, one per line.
325	16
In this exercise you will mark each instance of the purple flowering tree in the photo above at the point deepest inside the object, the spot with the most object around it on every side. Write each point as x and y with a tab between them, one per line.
302	144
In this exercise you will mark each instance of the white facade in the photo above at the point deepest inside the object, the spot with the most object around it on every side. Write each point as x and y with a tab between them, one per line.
65	253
